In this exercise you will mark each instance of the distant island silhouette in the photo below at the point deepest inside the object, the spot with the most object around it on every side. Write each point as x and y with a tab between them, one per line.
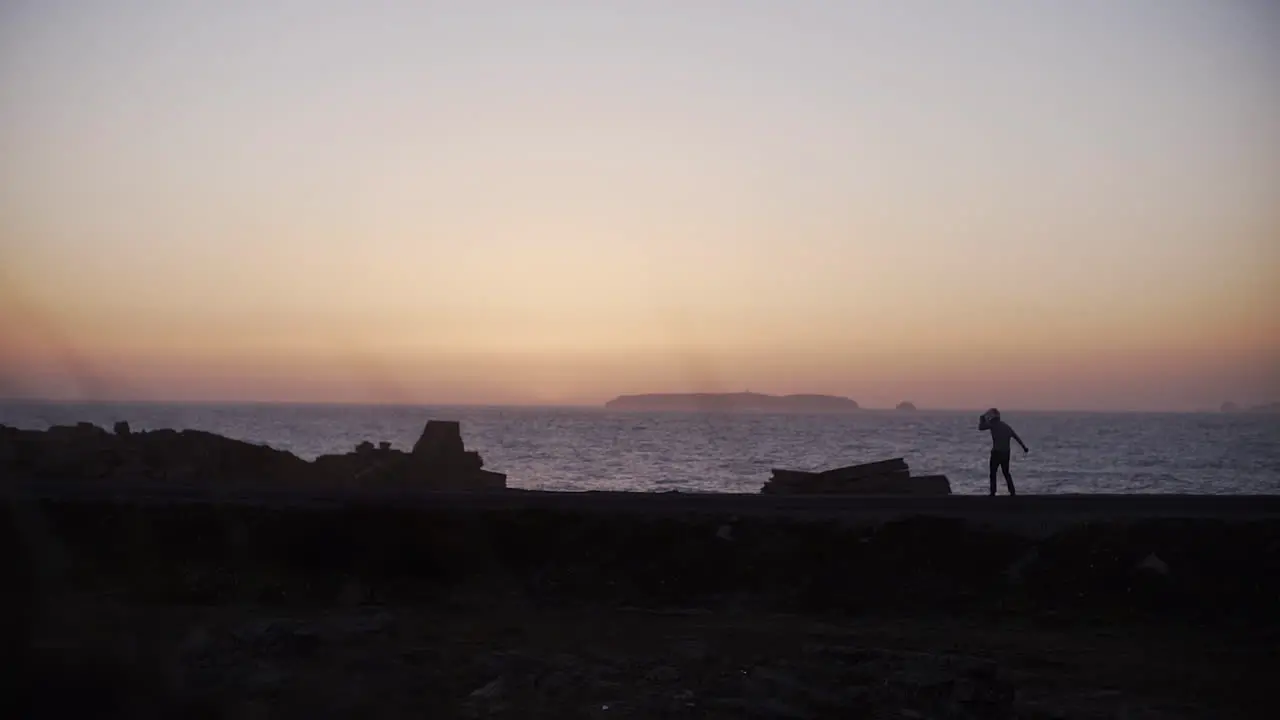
1230	407
733	402
906	406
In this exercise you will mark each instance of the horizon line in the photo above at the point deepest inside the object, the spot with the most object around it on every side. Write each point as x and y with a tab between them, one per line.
1243	409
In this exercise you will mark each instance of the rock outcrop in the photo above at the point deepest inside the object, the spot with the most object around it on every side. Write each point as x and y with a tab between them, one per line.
906	406
193	458
886	477
87	453
439	461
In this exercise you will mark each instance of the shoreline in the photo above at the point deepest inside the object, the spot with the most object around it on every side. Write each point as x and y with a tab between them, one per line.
1053	509
205	596
576	461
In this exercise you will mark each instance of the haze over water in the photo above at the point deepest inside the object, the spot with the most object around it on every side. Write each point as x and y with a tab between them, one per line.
962	204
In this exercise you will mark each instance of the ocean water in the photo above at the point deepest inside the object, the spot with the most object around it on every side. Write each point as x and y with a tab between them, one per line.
587	449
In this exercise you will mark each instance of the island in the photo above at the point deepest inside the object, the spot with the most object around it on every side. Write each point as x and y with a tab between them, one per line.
906	406
1230	407
732	402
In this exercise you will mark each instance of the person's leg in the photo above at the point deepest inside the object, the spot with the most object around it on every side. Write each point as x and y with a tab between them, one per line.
995	465
1008	478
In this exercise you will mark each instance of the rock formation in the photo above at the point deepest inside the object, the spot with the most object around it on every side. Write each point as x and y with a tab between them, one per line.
85	452
192	458
886	477
906	406
439	461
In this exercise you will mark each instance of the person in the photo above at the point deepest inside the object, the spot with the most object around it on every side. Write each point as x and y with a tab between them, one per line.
1001	434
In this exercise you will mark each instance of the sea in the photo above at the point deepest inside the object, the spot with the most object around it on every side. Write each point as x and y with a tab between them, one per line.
581	449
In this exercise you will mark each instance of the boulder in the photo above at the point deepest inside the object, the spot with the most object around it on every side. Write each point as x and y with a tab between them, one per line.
928	485
896	466
885	477
440	440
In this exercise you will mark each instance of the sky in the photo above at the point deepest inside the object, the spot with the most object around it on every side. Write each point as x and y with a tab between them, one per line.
1038	204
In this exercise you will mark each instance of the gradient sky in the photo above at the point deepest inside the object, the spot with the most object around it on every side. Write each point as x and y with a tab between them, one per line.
1070	205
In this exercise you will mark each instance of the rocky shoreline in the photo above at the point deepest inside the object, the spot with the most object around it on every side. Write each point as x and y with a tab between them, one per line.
343	601
87	454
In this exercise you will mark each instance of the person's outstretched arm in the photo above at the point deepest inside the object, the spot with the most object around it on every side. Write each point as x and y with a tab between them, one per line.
1015	437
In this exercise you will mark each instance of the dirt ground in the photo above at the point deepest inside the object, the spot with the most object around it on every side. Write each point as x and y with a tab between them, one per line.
464	659
520	612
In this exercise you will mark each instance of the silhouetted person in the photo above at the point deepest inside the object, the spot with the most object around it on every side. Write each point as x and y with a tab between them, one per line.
1001	434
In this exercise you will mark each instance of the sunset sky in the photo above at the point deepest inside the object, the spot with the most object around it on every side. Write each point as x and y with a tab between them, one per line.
1058	205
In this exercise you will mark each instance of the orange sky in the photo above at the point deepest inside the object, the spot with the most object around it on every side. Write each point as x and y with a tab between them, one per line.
285	201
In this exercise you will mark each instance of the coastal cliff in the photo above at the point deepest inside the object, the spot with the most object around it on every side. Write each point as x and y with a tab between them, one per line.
732	402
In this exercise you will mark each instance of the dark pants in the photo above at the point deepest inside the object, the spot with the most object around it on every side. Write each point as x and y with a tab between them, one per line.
1000	461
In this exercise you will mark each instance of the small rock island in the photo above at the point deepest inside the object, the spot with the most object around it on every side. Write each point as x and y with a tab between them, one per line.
905	406
732	402
1230	407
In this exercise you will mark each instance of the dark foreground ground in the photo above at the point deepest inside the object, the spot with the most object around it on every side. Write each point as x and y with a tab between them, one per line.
450	606
462	659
